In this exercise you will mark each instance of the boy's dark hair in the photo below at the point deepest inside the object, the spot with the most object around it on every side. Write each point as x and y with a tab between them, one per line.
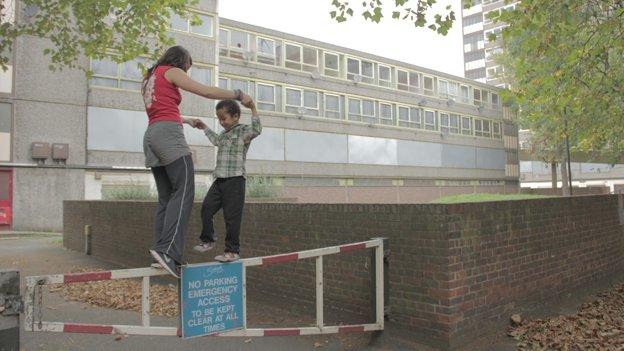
230	106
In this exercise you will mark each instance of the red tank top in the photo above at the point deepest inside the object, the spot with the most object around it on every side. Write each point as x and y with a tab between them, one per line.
161	98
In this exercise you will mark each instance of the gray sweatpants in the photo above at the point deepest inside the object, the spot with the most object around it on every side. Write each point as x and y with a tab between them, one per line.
168	155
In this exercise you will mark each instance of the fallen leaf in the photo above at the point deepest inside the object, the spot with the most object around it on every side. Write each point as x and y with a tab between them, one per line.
318	344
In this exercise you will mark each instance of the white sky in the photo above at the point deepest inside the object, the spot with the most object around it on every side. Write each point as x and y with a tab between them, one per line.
391	38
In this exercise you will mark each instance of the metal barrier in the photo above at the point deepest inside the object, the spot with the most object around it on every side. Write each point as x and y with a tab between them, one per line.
33	302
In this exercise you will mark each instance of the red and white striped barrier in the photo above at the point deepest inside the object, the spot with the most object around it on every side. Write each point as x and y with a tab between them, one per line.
34	323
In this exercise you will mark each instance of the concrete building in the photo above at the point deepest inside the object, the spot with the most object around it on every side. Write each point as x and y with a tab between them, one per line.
478	50
339	125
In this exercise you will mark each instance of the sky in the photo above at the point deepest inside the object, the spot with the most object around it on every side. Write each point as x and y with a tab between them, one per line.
399	40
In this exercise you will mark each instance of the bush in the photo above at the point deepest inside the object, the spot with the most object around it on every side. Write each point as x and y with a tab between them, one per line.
260	186
128	192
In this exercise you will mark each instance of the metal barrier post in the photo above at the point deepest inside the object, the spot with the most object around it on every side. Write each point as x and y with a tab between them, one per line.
10	307
380	253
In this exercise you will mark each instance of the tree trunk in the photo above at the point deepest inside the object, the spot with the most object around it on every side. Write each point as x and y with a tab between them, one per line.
565	186
553	174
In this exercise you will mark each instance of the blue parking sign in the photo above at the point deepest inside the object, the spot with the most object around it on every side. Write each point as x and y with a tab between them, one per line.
212	298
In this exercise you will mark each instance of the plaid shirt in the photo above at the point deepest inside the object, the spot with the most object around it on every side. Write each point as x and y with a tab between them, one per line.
233	145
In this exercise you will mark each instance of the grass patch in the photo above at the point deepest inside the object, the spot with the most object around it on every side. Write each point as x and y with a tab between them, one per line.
485	197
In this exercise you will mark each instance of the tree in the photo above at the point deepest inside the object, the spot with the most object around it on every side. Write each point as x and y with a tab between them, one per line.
564	61
96	28
414	11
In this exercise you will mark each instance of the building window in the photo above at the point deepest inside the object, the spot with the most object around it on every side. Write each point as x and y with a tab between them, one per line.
482	128
223	83
332	106
386	114
447	90
477	97
184	24
266	97
464	94
429	89
385	76
361	110
466	125
301	58
449	123
201	74
496	130
306	100
364	69
430	120
408	81
495	101
126	75
233	43
410	117
240	84
332	67
266	51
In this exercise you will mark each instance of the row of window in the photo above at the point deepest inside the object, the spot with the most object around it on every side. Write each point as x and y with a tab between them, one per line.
243	45
128	75
310	102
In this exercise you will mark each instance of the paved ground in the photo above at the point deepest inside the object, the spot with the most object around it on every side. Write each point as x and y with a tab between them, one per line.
37	255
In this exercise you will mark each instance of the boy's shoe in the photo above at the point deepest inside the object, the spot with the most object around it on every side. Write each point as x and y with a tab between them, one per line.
168	263
204	247
228	257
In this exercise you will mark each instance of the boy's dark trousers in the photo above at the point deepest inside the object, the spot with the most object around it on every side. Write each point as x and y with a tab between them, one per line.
229	194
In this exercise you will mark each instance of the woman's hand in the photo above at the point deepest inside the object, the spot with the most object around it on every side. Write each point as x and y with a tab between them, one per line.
249	103
195	123
246	100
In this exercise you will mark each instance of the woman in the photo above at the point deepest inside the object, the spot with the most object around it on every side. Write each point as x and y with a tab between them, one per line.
166	150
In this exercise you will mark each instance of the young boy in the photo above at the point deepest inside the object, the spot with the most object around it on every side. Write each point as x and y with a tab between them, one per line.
228	189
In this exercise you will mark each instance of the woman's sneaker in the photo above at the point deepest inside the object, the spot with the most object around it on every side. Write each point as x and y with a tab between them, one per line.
168	263
204	247
228	257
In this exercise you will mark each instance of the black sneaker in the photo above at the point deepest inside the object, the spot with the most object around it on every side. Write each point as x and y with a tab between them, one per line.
168	263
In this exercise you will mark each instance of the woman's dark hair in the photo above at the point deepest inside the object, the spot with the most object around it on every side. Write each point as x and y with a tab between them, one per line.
230	106
175	56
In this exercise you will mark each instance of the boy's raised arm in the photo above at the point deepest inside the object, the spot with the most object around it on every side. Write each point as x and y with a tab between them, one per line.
256	126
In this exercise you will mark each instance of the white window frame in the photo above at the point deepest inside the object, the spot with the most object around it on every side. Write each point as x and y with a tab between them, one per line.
119	78
429	92
325	68
435	121
302	101
465	100
189	27
365	78
260	54
325	109
409	87
392	113
384	82
302	65
411	122
205	67
481	132
499	134
449	128
465	131
361	114
234	51
259	102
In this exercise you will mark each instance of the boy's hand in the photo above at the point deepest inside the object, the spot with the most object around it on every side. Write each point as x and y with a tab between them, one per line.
246	99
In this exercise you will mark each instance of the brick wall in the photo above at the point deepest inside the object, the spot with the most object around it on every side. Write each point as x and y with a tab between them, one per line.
454	269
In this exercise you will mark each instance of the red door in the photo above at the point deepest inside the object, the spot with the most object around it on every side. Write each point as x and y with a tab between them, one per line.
6	197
